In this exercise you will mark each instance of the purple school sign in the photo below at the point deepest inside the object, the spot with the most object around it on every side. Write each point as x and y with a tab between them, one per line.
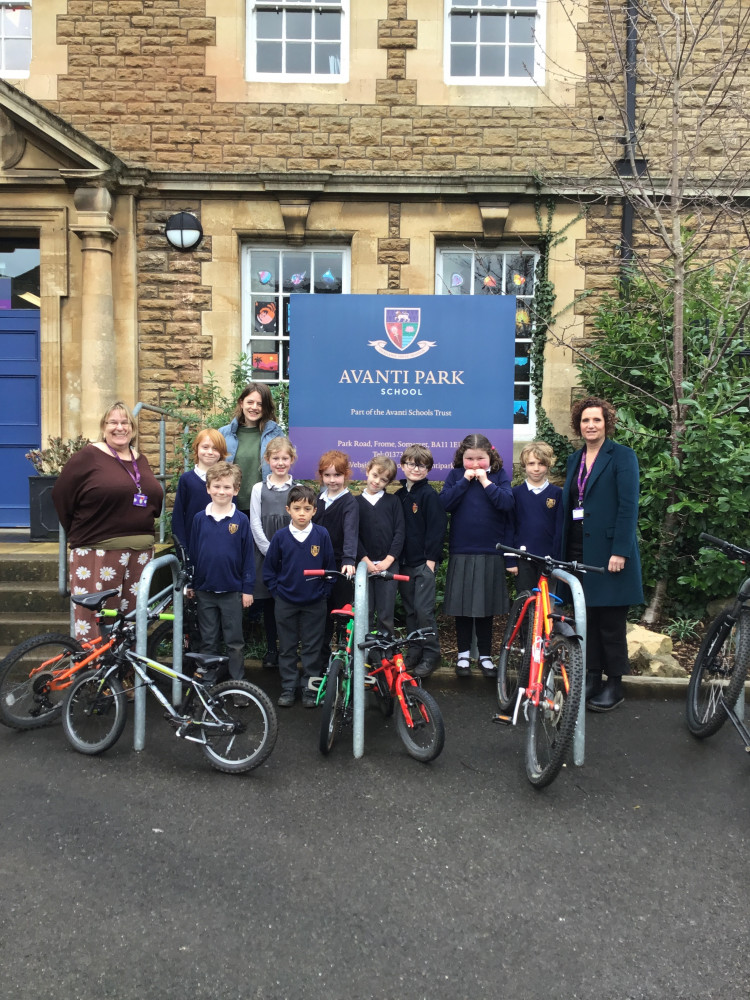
372	374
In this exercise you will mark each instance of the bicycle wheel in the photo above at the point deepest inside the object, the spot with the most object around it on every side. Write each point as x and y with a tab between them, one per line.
720	668
159	645
251	731
552	722
333	705
26	701
94	713
425	737
513	663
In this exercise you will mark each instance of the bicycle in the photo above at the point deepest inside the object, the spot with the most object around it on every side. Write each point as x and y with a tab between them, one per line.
541	668
36	674
233	721
419	722
718	677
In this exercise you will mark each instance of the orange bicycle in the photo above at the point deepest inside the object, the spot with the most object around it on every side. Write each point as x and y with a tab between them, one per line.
541	668
35	675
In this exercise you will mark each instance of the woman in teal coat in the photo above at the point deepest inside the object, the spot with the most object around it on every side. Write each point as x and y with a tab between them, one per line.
600	511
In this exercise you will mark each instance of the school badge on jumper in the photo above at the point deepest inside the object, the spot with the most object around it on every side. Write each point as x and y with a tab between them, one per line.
314	550
233	528
414	508
551	502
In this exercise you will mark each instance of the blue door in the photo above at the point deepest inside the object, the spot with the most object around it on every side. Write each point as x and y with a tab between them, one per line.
20	410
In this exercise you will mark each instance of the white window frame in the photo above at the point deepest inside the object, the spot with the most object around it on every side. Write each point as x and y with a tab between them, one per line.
341	7
443	286
281	337
13	74
507	9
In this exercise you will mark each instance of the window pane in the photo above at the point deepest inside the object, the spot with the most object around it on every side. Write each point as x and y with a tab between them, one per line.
328	58
299	57
269	57
457	274
463	60
327	25
491	60
296	272
494	3
492	29
521	370
521	61
523	318
264	267
268	24
525	3
299	24
521	404
17	54
522	29
488	274
328	270
463	28
519	274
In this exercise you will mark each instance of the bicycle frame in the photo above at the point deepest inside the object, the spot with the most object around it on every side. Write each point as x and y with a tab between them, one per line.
394	670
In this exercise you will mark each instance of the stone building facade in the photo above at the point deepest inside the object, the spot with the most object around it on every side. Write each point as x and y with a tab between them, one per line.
389	153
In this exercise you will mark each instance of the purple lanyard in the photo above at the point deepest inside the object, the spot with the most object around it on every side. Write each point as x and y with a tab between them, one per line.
137	477
582	480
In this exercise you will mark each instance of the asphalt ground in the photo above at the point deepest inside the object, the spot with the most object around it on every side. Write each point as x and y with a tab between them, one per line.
145	875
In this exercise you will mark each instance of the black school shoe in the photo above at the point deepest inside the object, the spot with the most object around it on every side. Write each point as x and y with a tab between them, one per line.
424	668
610	696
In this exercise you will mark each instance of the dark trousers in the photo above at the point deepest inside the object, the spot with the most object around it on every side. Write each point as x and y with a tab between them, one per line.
269	624
418	596
465	626
606	645
299	625
381	596
220	617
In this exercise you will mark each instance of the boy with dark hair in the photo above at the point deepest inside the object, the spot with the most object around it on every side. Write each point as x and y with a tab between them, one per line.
425	522
381	538
221	549
300	601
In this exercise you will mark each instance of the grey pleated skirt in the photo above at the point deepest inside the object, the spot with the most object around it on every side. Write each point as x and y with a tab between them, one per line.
475	586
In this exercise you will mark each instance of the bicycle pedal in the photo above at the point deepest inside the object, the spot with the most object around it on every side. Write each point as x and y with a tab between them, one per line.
313	683
370	682
503	720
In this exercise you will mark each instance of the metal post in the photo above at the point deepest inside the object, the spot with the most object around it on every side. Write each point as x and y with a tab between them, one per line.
141	636
579	613
361	617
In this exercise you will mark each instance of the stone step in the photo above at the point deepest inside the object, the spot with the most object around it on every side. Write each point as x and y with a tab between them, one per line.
15	628
31	596
42	567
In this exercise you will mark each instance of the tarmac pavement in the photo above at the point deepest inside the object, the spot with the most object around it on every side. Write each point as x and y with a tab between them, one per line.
152	875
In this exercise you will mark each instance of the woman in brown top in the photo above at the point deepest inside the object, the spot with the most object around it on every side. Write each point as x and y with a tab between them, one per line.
107	498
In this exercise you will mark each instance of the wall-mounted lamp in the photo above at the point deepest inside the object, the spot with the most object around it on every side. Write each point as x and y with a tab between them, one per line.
183	231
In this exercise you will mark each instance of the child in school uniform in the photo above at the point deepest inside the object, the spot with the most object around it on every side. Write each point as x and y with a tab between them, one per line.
381	538
268	513
538	517
424	522
221	549
300	601
478	496
338	512
209	447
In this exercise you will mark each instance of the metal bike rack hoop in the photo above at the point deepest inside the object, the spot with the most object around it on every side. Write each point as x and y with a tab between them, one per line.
579	613
361	617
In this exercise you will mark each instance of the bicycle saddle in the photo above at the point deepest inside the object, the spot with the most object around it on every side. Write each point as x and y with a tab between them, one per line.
94	601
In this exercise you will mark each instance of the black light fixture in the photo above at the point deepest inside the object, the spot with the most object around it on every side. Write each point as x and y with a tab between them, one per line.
183	231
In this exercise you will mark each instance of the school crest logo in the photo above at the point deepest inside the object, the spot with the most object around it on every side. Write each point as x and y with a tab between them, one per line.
314	550
401	326
414	508
551	502
233	528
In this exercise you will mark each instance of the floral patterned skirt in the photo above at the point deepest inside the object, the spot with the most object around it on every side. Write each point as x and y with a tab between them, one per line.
105	569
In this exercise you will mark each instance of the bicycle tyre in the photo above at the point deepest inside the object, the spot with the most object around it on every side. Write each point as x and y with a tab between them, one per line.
550	730
256	727
26	702
426	739
513	662
720	668
332	717
94	713
159	645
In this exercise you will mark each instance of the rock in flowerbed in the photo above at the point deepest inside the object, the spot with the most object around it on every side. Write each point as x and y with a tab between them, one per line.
651	654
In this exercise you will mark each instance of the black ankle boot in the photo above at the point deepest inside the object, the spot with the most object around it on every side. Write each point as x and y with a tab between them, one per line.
594	684
609	697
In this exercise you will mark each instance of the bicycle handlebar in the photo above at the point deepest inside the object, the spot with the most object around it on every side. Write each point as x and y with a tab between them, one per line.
330	573
728	548
575	567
